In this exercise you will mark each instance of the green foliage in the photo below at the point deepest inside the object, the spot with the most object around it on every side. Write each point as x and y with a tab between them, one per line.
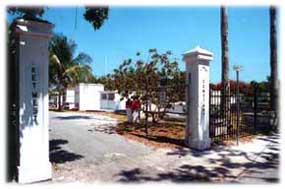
96	16
145	79
107	81
65	70
28	13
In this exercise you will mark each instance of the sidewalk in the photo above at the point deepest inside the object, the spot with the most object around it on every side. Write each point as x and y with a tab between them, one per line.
254	162
251	162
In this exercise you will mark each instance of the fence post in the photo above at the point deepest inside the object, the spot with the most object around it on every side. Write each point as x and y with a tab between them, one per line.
238	101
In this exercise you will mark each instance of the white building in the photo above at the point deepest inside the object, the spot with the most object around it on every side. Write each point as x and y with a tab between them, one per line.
70	98
88	96
111	100
177	107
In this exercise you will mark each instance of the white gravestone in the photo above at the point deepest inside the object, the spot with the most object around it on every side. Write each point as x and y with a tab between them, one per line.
197	79
32	53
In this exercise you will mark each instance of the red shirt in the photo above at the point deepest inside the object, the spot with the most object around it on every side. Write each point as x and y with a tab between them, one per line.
136	105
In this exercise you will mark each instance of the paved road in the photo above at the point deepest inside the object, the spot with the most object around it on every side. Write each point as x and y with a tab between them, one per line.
88	138
85	148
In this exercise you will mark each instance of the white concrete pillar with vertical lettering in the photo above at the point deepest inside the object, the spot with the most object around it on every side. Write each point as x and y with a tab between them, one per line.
197	80
32	58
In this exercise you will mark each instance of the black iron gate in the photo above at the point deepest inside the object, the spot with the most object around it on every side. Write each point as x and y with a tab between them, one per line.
223	116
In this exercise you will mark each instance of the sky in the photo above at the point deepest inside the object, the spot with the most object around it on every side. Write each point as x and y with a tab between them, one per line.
129	30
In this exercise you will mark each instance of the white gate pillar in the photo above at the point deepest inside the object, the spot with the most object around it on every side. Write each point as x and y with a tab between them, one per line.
197	80
32	59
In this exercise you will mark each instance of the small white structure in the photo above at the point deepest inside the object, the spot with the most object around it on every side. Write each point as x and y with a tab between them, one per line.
32	40
70	98
177	107
111	100
197	79
87	96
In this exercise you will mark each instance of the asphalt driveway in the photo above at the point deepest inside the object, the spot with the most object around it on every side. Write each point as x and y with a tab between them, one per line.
80	139
85	147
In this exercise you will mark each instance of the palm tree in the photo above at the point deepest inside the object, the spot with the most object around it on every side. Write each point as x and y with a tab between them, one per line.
225	56
273	60
65	69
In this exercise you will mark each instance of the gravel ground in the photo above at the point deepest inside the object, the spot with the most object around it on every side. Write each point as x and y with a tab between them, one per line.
85	148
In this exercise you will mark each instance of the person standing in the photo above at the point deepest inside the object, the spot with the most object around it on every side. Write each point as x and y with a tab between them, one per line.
129	110
136	106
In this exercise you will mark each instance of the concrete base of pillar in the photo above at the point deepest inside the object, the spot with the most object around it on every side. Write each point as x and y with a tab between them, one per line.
35	173
200	144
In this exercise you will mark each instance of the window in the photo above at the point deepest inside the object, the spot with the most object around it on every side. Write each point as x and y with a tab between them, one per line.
104	96
111	96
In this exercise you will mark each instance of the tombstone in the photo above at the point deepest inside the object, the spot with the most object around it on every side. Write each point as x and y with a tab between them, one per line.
197	80
30	64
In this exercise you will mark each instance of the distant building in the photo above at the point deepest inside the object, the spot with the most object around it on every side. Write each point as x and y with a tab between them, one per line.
177	107
69	98
88	96
112	100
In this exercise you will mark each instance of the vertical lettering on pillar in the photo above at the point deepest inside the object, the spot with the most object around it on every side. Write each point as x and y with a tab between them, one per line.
35	95
189	99
203	108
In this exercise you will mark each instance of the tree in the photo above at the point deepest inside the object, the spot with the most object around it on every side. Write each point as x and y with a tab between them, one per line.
28	13
273	61
66	70
151	80
225	57
96	16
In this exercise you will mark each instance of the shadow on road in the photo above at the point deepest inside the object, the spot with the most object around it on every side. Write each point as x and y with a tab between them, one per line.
104	128
220	169
58	155
73	117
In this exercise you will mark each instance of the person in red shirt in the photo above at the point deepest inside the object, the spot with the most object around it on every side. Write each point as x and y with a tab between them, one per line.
136	106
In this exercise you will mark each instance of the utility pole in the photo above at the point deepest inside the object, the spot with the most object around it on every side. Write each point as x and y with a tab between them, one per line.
237	68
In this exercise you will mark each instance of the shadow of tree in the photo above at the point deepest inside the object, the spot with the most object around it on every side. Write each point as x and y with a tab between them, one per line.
104	128
184	173
58	155
222	167
73	117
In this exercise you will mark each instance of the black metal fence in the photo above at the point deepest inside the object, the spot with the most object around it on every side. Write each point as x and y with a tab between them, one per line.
226	122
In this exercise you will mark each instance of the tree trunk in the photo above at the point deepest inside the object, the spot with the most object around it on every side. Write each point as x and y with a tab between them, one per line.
59	101
273	68
225	58
273	60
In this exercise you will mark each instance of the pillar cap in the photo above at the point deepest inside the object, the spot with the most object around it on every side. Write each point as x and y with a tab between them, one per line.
199	54
30	27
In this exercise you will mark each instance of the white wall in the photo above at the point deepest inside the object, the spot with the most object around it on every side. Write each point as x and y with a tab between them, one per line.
87	96
70	97
177	107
